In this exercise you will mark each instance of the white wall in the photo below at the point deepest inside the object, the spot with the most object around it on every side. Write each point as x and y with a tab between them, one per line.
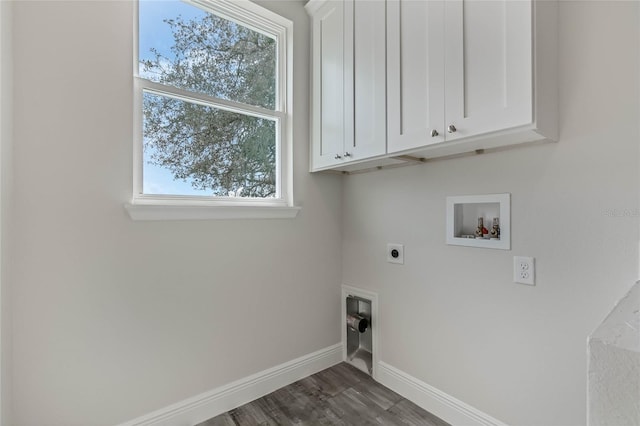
112	318
451	315
6	126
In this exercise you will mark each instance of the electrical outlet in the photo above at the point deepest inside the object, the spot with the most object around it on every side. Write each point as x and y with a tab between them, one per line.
524	271
395	253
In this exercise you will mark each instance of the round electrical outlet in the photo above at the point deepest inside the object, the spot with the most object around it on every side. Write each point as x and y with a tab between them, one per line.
395	253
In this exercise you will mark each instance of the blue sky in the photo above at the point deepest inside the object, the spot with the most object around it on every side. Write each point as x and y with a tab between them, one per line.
154	32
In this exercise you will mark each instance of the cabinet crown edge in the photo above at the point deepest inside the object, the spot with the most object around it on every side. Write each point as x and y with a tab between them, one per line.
313	6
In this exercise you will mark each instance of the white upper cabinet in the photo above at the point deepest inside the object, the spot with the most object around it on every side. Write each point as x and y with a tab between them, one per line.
328	114
415	73
367	86
489	66
460	76
348	81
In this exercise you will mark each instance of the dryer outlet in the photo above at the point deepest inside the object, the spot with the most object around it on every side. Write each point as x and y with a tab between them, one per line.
395	253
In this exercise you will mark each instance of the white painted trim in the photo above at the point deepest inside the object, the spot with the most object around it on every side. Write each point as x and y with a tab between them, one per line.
435	401
313	6
375	320
257	18
203	212
224	398
246	13
3	61
203	99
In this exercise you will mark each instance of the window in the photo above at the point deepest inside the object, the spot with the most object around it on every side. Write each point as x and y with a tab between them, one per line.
212	111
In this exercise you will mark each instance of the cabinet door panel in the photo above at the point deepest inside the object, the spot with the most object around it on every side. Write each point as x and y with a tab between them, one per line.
365	91
488	65
328	84
415	70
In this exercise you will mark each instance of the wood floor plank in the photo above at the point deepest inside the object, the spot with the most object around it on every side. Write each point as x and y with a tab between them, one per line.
351	410
247	415
411	414
332	381
290	405
384	397
349	373
221	420
341	395
314	387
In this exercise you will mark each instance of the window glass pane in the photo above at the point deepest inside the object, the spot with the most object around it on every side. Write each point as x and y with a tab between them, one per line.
190	149
185	47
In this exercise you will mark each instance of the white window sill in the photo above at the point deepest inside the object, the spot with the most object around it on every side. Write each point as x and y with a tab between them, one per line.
166	211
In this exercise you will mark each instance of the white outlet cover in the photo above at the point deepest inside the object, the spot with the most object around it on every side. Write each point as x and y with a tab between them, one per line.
399	251
524	271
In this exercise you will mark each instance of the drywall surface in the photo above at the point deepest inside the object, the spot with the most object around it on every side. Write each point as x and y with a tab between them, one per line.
113	318
614	365
6	134
451	316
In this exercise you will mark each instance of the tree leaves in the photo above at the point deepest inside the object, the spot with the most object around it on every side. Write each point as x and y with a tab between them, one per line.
214	149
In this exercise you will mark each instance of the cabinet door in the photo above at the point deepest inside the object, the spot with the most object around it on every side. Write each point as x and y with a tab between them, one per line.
415	104
488	64
328	122
365	79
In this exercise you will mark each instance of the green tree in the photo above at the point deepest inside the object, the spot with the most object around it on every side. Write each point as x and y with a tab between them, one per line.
217	150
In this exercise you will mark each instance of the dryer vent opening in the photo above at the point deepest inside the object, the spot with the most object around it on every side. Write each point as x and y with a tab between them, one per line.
359	335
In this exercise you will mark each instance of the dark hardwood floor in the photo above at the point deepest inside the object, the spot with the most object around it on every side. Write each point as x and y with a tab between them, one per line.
340	395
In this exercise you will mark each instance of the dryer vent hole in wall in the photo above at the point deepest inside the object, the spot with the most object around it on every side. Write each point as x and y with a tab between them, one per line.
357	323
359	336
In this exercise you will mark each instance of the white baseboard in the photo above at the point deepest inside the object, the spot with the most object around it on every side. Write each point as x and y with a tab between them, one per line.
433	400
216	401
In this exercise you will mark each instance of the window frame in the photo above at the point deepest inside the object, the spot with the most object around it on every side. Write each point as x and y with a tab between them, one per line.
186	207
